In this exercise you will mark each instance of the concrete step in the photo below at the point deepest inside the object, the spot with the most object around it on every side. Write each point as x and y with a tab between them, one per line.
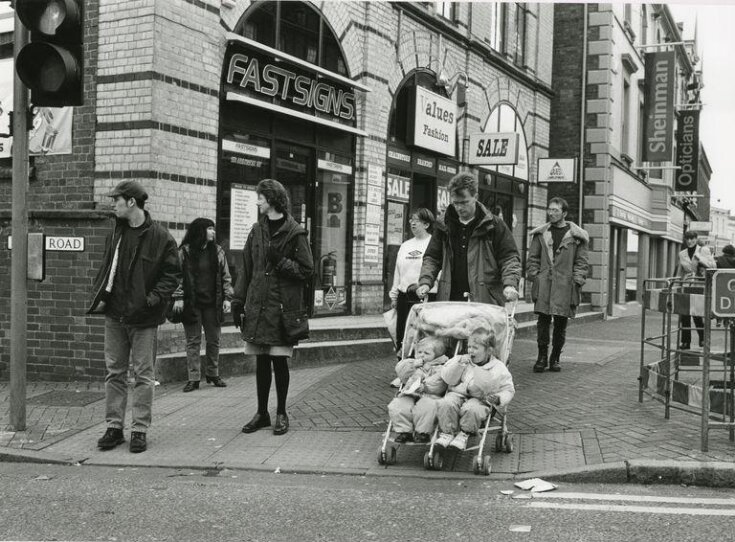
333	340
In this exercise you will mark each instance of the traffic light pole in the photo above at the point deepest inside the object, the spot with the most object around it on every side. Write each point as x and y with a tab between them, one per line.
19	254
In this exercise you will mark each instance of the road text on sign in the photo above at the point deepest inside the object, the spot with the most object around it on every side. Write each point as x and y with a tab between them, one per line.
723	294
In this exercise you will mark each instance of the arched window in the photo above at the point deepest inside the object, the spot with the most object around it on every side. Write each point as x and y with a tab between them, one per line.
295	28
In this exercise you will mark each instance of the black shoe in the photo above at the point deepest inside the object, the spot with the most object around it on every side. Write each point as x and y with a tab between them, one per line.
137	442
216	381
422	438
403	437
111	438
543	359
259	421
281	427
554	366
191	385
684	346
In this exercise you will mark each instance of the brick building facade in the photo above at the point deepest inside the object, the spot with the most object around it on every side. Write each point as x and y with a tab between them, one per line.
174	100
629	207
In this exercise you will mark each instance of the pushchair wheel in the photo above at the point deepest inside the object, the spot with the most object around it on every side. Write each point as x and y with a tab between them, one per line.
482	465
433	462
382	457
507	443
499	442
392	457
486	465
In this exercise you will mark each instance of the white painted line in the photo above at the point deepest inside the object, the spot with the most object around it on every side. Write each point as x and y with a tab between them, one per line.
635	498
635	509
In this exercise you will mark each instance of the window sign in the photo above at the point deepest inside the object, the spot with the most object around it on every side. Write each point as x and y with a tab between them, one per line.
398	188
394	223
243	213
493	149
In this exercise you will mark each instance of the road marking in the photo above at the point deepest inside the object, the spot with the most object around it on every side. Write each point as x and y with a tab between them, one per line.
634	509
635	498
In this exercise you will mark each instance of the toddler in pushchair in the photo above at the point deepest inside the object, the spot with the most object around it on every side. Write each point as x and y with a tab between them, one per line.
478	382
413	411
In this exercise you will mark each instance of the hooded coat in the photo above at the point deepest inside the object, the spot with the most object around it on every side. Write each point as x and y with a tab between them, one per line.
267	290
558	276
493	261
187	290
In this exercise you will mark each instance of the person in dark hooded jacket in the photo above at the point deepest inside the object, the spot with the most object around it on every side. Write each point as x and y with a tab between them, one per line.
276	264
727	259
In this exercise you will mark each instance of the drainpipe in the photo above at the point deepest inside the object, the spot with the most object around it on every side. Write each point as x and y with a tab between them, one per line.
583	110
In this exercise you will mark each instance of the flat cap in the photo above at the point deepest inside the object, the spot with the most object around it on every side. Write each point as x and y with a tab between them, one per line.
129	189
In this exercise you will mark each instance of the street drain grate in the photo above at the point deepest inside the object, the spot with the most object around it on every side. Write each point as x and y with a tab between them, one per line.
66	398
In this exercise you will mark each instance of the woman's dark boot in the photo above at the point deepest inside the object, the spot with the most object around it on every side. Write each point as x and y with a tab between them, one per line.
542	361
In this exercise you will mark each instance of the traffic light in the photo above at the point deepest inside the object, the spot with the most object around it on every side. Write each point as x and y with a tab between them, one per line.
51	65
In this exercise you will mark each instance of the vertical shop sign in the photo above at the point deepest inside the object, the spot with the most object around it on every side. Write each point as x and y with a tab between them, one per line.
659	106
435	122
243	214
687	152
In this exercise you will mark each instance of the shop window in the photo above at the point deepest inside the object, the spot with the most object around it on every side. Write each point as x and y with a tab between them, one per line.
297	29
520	52
448	10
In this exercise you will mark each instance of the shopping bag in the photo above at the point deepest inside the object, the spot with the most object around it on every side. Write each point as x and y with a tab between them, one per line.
391	318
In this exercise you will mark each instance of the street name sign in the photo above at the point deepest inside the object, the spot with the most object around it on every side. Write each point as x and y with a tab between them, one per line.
723	294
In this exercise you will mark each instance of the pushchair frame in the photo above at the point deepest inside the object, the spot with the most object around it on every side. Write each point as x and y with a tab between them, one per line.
434	456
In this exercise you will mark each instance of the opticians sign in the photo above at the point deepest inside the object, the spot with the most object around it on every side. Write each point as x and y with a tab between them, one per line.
499	149
435	122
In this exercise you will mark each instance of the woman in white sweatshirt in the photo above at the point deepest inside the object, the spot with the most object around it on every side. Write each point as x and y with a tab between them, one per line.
408	268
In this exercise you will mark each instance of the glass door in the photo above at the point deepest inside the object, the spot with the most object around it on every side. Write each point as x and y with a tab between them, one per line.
331	234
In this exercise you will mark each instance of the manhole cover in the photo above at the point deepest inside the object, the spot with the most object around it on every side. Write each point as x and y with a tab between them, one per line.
66	398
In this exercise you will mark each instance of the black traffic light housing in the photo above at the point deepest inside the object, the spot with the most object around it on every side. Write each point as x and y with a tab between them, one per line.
52	64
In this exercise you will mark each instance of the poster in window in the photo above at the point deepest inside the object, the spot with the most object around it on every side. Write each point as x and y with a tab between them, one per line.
394	223
243	213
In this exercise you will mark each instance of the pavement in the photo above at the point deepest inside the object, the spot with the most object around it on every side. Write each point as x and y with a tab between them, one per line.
582	424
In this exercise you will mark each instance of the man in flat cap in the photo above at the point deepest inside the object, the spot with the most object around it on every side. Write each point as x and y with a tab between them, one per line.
139	274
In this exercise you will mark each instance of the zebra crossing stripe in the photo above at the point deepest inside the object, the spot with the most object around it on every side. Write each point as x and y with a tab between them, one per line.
671	510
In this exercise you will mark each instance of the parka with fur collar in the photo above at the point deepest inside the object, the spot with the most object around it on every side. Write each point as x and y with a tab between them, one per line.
558	276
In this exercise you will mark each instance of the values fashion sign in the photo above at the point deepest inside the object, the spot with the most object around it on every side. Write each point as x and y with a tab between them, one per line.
687	152
435	122
659	106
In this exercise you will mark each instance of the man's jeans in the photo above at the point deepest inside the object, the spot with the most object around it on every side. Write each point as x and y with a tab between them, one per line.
125	345
203	317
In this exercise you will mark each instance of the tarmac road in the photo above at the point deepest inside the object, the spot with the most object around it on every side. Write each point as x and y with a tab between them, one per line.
107	503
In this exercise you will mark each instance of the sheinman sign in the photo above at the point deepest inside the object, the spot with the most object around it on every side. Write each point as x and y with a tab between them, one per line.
659	106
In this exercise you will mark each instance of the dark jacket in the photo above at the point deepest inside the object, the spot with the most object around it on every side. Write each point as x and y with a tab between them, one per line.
187	290
154	274
265	290
492	258
725	261
558	276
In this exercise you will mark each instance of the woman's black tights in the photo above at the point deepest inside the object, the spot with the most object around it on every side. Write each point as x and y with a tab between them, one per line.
263	381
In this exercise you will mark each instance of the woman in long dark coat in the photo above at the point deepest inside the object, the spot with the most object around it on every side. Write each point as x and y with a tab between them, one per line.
276	264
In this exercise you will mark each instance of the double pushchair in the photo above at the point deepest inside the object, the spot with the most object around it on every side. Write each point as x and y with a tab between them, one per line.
453	322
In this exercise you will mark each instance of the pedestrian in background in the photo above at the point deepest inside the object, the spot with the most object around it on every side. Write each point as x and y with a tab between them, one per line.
726	260
408	267
270	288
203	299
474	250
558	266
693	260
140	271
